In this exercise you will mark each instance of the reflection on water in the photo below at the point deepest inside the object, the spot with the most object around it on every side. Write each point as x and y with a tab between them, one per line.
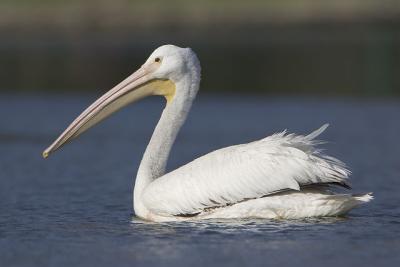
229	226
75	209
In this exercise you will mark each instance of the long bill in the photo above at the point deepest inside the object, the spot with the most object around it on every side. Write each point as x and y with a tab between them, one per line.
132	89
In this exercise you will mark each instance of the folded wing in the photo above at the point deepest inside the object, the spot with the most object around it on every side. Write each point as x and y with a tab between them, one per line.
238	173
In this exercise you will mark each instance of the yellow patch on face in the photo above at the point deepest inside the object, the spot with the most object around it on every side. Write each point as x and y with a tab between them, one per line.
165	88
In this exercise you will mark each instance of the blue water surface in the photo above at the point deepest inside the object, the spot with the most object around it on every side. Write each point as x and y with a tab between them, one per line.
75	208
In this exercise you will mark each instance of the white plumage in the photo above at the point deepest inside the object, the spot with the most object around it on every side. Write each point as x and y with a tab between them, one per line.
234	174
280	176
265	179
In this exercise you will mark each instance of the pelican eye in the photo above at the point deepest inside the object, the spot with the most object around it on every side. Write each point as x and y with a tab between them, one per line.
157	59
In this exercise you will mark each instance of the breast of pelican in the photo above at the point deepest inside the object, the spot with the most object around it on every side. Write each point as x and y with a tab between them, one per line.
280	176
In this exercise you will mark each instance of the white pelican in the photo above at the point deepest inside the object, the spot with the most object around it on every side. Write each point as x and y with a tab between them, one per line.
281	176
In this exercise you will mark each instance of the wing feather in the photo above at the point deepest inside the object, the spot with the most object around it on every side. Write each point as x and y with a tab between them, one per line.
233	174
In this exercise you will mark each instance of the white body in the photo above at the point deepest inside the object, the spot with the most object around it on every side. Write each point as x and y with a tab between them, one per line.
244	181
281	176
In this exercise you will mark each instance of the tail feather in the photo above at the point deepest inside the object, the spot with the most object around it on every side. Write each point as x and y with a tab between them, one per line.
364	198
348	202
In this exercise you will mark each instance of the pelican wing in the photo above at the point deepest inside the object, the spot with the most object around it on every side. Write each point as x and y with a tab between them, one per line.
237	173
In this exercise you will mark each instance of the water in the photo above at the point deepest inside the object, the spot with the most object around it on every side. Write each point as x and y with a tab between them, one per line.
75	209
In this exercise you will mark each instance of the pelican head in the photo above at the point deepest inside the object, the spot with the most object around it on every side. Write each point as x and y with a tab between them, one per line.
166	67
171	62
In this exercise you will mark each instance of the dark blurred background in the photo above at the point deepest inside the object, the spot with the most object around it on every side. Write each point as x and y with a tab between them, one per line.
342	47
